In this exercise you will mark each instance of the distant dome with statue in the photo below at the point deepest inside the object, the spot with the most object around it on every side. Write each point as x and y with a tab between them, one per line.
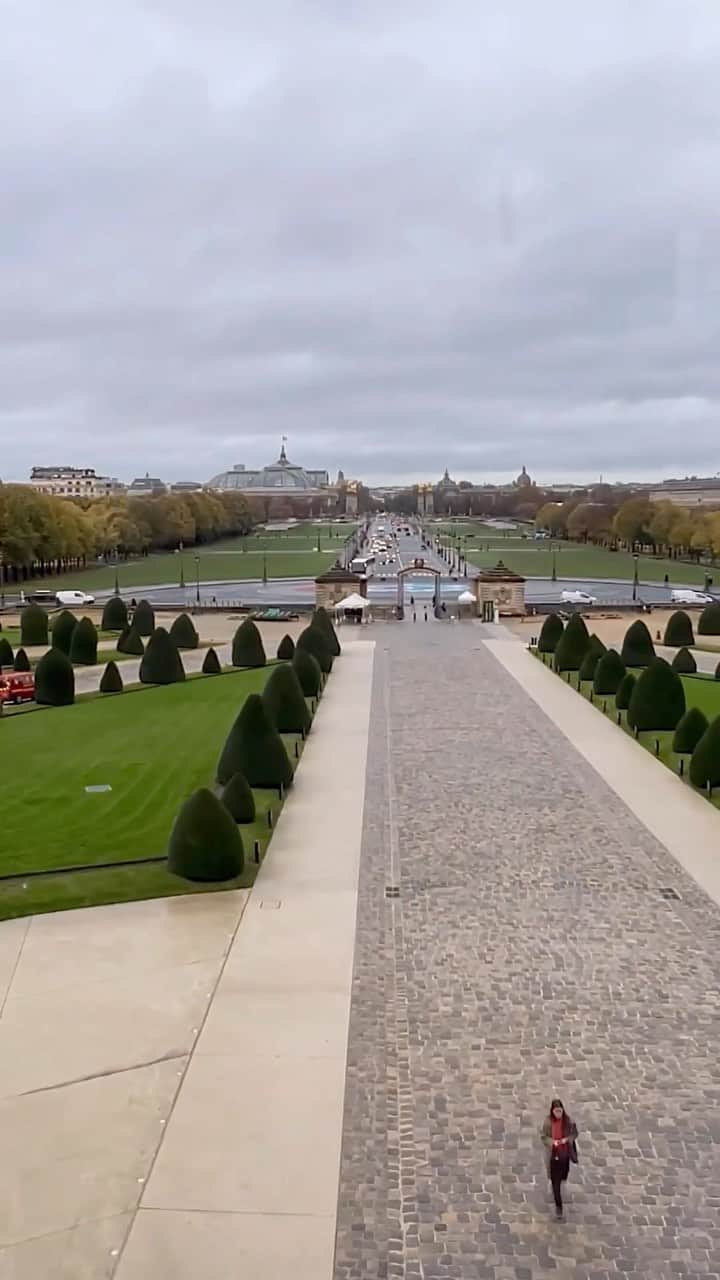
447	483
523	480
278	477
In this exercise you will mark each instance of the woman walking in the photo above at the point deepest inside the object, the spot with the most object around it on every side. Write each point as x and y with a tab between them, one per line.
558	1134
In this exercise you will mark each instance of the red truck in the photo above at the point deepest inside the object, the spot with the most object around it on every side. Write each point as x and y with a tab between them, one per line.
17	686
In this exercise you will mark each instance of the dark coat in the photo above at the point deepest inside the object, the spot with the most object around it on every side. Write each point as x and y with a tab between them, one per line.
570	1130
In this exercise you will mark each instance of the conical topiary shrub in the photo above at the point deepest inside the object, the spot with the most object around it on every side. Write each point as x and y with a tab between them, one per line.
64	624
550	633
625	691
111	680
679	630
33	625
21	662
161	663
286	649
307	669
83	645
285	701
658	699
594	653
130	641
205	844
321	618
211	664
689	731
143	618
705	760
115	614
183	632
637	648
709	622
54	680
254	748
684	663
314	641
7	657
238	798
608	673
247	646
572	645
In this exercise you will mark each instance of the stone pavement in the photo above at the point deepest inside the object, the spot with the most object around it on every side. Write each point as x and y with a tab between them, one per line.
532	945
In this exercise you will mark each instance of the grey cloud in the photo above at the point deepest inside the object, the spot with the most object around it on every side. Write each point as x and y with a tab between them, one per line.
405	237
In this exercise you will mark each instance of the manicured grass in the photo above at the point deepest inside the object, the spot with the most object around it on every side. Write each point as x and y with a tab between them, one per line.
572	559
154	747
284	556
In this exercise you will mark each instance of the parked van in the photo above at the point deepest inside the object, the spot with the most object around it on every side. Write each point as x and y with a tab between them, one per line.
17	686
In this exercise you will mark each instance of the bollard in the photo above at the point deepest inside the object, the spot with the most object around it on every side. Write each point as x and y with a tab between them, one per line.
297	750
256	851
269	818
281	790
682	766
657	746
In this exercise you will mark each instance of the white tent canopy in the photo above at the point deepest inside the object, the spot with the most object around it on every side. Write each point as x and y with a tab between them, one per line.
466	597
353	601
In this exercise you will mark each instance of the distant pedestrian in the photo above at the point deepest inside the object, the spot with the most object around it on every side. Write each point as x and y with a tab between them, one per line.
414	616
558	1135
426	613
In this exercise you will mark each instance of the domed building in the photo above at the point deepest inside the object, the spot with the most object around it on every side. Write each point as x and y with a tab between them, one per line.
281	478
523	481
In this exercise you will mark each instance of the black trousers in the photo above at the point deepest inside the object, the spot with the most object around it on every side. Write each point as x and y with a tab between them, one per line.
559	1170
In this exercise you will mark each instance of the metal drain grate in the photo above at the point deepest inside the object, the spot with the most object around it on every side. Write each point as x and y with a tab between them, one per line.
392	891
670	895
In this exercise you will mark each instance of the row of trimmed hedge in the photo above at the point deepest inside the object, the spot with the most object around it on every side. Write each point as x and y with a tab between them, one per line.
205	843
574	649
654	700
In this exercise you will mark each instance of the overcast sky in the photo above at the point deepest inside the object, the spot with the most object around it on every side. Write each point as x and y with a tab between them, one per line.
405	233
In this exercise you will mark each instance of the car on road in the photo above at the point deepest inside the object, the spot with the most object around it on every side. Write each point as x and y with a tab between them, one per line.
66	598
578	597
680	596
16	686
51	599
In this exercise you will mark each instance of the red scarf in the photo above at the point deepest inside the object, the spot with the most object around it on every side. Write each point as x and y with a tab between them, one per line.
558	1134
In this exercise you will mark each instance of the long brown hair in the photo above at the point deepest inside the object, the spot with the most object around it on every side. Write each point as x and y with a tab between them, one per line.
566	1121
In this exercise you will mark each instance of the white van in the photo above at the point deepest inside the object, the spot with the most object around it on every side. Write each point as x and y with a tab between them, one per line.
68	598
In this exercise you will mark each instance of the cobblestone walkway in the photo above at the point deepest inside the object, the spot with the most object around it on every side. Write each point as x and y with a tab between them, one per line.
530	951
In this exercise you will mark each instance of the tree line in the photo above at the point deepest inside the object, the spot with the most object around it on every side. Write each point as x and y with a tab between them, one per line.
41	535
661	527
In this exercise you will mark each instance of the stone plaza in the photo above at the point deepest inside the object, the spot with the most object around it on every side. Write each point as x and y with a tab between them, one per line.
342	1075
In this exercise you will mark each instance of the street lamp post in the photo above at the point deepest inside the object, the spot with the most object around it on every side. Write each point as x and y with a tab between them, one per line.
116	588
197	580
554	565
264	577
635	576
182	572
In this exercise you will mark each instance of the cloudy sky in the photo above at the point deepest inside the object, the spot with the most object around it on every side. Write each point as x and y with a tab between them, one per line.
405	233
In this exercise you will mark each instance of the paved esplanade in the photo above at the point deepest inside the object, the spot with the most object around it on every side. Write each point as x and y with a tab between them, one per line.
530	952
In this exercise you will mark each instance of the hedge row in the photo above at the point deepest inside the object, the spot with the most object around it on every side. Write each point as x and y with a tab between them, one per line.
655	698
205	843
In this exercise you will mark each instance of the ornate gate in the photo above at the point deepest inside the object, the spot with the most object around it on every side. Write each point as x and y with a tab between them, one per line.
417	568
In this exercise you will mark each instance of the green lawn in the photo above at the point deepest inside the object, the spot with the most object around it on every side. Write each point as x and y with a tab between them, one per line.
292	555
572	559
154	747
